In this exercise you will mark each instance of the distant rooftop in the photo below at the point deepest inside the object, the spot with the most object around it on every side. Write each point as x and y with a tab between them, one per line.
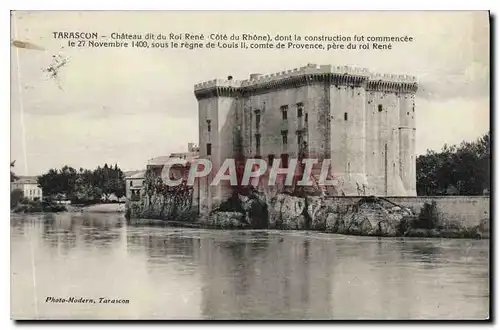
135	174
27	180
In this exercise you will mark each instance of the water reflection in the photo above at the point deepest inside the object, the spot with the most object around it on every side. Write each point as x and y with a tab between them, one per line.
191	273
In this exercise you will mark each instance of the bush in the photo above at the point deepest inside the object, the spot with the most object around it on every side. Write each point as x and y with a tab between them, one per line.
16	196
428	217
38	206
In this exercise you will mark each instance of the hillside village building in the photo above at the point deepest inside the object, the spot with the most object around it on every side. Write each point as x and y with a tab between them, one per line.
363	122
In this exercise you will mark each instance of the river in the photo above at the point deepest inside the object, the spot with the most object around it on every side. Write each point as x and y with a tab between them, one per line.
179	273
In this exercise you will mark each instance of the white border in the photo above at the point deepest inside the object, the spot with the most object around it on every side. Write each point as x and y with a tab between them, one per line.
492	5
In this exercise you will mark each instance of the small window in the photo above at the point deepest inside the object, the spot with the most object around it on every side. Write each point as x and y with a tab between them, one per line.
209	126
305	118
270	160
380	108
257	119
284	161
300	110
257	141
284	112
345	115
209	149
131	183
284	137
299	139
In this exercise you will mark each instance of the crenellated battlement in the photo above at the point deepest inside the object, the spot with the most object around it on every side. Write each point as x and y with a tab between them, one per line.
218	83
395	78
311	72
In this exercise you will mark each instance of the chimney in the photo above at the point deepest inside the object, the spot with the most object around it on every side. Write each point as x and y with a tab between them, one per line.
254	76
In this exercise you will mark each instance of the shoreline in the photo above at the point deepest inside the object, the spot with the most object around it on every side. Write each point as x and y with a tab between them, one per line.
419	233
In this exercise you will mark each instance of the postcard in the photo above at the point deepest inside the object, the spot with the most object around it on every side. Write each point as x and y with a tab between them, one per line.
285	165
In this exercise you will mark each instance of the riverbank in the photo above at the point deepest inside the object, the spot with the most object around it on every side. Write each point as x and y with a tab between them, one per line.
361	216
38	207
99	208
235	225
51	207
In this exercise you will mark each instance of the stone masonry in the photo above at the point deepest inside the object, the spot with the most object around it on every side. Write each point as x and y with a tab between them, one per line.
363	122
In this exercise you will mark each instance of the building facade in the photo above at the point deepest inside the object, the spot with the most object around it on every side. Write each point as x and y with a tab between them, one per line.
29	186
363	122
133	185
177	161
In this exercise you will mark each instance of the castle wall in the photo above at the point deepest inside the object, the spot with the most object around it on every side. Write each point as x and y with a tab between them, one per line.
316	107
465	211
348	137
461	211
221	112
406	147
272	122
364	123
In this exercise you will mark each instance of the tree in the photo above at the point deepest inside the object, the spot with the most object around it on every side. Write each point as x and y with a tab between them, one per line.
16	196
50	182
465	167
83	185
13	177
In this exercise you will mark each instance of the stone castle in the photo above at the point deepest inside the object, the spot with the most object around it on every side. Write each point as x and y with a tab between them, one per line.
363	122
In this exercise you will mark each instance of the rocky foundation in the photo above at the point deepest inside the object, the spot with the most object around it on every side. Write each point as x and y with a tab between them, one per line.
368	216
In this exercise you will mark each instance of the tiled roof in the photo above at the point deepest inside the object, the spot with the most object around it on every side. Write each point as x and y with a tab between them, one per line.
136	175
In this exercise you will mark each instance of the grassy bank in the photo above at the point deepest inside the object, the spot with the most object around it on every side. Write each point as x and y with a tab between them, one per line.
38	206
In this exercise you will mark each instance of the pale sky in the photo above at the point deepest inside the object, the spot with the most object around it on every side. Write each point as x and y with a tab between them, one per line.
126	106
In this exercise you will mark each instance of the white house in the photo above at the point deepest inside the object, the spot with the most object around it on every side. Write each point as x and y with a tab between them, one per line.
29	186
133	185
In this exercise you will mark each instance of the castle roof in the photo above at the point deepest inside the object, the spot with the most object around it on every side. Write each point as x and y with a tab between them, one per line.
341	75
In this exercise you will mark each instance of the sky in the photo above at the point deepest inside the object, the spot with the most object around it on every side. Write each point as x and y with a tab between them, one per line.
126	106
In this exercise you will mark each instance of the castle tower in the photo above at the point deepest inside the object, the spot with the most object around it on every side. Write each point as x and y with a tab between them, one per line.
363	123
348	129
407	161
217	126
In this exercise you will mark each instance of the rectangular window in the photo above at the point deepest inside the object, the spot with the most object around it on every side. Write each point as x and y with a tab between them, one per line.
305	118
345	115
284	112
284	161
300	107
270	160
131	183
299	139
284	137
257	119
209	149
257	143
209	125
380	108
